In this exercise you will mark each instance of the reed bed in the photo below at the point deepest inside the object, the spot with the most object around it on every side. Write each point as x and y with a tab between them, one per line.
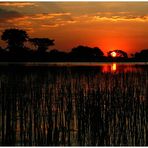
67	106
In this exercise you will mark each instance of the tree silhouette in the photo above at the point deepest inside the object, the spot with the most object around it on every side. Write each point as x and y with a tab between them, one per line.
57	55
15	38
41	44
143	54
86	52
119	53
1	48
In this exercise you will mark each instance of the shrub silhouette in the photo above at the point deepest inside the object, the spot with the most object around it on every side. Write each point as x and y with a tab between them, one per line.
86	53
143	54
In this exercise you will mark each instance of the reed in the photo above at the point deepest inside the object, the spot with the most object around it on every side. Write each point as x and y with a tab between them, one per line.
66	106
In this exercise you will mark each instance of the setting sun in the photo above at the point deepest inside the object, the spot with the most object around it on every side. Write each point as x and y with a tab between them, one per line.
113	54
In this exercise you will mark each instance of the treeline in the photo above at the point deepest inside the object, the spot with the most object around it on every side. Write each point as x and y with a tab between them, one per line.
21	47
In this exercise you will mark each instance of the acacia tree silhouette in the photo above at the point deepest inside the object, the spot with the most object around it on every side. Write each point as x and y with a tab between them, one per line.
41	44
15	39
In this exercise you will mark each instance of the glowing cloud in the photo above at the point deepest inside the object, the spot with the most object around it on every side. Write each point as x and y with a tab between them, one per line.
17	4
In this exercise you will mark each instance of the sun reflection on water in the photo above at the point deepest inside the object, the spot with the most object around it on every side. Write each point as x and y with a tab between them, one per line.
114	67
109	67
120	68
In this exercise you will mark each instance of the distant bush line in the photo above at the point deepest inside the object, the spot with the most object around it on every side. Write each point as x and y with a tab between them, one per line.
22	48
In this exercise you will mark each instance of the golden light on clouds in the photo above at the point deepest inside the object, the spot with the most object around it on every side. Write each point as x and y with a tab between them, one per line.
110	25
17	4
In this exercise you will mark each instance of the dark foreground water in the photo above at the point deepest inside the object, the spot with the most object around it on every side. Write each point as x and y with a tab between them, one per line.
74	105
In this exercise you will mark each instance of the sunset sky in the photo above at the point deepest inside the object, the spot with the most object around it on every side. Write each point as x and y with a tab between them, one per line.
107	25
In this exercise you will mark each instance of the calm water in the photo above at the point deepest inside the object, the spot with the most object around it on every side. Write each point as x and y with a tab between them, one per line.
74	105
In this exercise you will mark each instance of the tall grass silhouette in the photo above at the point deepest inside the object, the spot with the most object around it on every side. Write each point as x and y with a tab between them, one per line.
71	106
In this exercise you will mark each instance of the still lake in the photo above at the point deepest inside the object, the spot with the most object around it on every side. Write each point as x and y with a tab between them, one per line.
73	104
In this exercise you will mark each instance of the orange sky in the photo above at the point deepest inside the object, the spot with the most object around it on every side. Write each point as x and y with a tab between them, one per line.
107	25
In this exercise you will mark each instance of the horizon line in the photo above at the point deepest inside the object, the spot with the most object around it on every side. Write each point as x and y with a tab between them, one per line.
73	1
